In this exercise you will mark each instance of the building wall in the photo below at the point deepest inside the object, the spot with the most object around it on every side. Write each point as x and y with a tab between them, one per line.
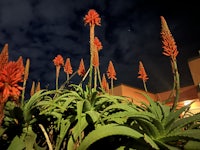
133	94
195	69
194	65
187	94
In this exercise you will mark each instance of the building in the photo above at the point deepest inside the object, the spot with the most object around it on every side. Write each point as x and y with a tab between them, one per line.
187	94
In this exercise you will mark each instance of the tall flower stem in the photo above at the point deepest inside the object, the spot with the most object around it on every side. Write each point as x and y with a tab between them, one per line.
57	76
95	77
170	50
1	112
91	53
46	136
99	76
111	85
58	62
145	86
86	74
68	79
177	84
26	73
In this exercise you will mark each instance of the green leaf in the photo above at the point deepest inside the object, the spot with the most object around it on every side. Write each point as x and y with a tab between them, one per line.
17	144
149	128
119	106
133	114
92	116
64	127
150	141
76	131
2	130
183	122
173	116
153	107
79	115
105	131
86	106
193	134
163	145
29	138
192	145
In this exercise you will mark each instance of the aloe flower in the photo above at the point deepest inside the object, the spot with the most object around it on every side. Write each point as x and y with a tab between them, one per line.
26	74
35	89
142	74
97	47
92	18
32	92
68	68
11	74
170	50
95	60
97	43
58	62
111	74
4	56
169	44
104	84
81	69
38	87
111	71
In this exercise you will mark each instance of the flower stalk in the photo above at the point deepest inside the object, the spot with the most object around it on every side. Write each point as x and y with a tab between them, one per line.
92	18
142	75
111	74
170	50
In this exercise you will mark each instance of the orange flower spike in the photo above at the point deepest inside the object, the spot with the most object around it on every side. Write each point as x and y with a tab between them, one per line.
98	44
95	60
142	72
11	75
58	60
81	69
104	83
92	18
26	73
111	71
32	89
68	67
4	56
38	87
169	44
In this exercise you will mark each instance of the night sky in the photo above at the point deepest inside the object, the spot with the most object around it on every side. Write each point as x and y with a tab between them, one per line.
129	32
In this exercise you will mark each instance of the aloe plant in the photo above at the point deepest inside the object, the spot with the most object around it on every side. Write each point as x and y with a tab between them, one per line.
76	117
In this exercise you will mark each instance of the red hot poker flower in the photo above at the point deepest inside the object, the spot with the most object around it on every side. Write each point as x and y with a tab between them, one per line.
68	67
58	60
111	71
104	83
142	72
98	44
169	44
92	18
4	56
95	60
10	76
81	69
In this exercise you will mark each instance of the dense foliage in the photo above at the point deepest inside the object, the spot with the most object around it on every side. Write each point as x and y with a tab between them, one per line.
89	116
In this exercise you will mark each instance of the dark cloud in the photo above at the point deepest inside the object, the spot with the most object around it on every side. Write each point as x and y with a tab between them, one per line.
130	32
